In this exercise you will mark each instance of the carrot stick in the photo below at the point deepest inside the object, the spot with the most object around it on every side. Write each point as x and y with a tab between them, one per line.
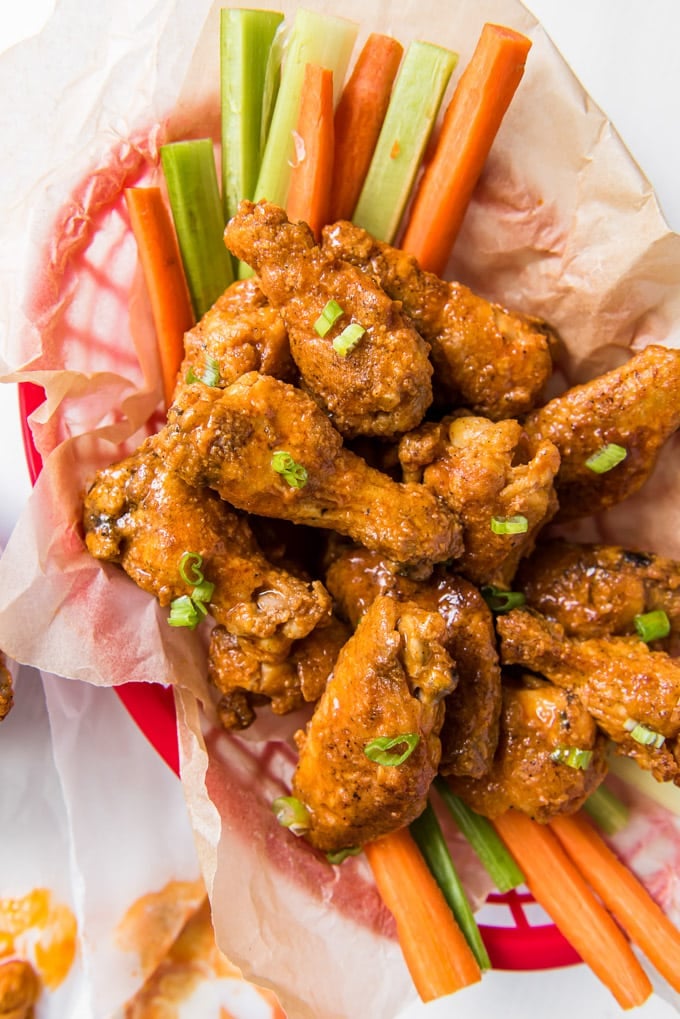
358	119
625	897
469	128
559	887
164	276
309	195
438	957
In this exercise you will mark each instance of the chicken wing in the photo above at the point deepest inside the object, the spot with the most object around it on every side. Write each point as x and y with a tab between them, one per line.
540	724
636	406
487	473
229	440
633	693
486	358
470	729
6	689
596	590
246	676
19	989
381	386
388	684
241	332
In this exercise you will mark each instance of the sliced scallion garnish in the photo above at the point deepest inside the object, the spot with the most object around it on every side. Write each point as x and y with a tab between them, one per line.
652	625
345	343
643	735
289	469
190	568
383	749
500	601
574	757
184	612
517	524
189	610
210	376
291	813
328	317
341	854
606	458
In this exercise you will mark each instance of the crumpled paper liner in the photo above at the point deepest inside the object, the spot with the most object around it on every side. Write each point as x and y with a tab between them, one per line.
563	225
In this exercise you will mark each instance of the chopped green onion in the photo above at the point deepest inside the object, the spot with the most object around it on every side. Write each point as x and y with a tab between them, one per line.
328	317
190	568
606	458
185	612
210	375
345	343
608	812
485	841
291	813
653	625
430	840
411	115
315	38
294	473
643	735
510	525
203	591
191	177
574	757
500	601
379	750
342	854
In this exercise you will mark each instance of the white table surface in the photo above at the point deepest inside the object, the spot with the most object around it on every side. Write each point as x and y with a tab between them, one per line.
625	54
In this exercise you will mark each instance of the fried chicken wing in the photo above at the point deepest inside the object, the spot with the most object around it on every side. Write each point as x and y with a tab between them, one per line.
382	386
636	406
487	472
619	680
493	361
539	723
227	439
595	590
470	730
142	515
6	689
246	677
388	682
242	332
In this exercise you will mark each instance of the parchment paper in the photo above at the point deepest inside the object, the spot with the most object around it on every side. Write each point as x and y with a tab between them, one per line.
562	225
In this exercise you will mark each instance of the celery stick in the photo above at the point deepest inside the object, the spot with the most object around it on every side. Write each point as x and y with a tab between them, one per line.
191	177
482	836
411	115
246	37
666	794
315	39
608	812
432	844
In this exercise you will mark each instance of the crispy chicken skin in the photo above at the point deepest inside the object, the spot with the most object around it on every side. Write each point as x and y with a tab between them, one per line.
225	439
537	721
19	989
142	515
493	361
483	470
619	681
246	677
470	730
383	386
242	332
6	689
389	681
636	406
595	590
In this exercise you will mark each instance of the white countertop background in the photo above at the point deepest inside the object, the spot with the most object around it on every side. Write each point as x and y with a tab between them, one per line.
625	53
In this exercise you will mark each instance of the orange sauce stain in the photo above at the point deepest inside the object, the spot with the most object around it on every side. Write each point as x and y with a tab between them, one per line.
43	930
191	960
